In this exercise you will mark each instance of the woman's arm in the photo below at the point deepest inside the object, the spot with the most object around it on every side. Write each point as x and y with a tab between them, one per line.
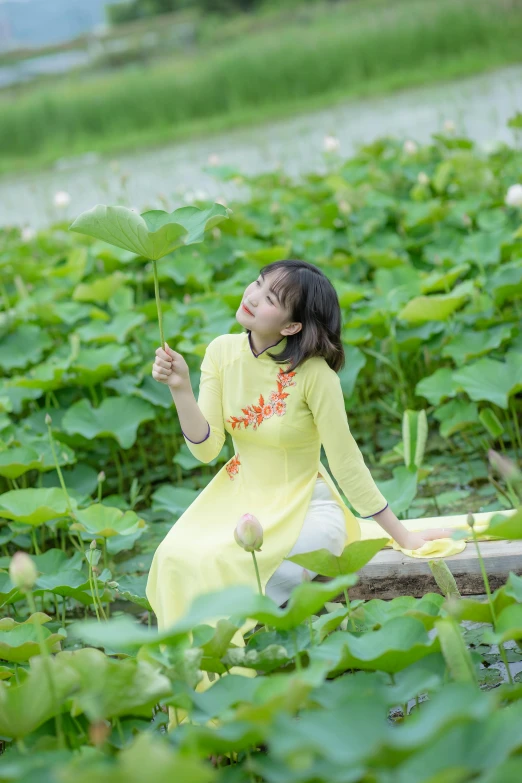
201	422
324	397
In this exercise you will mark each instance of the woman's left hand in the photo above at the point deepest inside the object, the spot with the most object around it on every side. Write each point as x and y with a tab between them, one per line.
415	540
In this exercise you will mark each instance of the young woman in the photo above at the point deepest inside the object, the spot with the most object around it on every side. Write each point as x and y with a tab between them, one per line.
274	388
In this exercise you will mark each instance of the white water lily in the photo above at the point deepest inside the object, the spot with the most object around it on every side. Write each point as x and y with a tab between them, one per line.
514	196
249	533
22	571
409	147
61	199
331	144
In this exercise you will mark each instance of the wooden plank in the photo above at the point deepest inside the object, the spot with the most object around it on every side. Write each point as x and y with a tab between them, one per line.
391	573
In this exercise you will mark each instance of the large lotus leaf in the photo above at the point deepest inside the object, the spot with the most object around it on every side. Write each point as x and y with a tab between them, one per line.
401	489
175	500
23	347
470	344
95	364
144	757
153	234
491	380
133	589
35	505
437	307
17	461
26	706
113	687
99	290
107	521
356	732
116	330
508	626
438	386
40	444
455	416
122	634
510	528
117	417
19	641
440	281
377	612
154	392
44	377
398	644
506	282
353	557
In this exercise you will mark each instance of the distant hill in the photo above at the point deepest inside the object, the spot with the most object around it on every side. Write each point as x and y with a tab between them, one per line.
47	22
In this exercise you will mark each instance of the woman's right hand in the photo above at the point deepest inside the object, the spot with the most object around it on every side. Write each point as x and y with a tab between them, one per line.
171	368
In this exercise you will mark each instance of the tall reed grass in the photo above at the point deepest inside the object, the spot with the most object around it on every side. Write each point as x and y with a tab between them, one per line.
344	50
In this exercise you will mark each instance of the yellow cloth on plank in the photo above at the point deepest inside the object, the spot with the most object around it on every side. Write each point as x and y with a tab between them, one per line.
439	547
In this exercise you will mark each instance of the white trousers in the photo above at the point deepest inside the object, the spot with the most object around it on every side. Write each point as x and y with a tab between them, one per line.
323	528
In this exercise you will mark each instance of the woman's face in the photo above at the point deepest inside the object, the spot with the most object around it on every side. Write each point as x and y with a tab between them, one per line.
267	316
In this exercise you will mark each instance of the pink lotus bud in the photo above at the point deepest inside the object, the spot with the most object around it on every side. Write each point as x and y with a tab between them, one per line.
93	544
22	571
505	466
470	519
101	476
48	419
249	533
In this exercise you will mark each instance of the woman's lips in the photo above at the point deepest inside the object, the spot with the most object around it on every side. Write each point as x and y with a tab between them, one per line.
246	309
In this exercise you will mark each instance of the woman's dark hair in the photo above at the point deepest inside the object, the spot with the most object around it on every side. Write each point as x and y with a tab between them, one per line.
312	300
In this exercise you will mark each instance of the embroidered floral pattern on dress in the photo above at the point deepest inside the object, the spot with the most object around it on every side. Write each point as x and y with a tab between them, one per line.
233	466
256	414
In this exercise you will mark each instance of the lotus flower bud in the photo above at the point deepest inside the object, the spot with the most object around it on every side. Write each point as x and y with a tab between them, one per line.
22	571
505	466
48	419
410	147
470	520
331	144
306	576
93	544
61	199
99	731
249	533
514	196
101	476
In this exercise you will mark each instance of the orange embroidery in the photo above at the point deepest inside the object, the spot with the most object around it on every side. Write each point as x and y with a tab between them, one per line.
256	414
233	466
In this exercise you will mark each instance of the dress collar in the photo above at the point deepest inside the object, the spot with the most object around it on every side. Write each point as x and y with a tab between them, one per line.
281	344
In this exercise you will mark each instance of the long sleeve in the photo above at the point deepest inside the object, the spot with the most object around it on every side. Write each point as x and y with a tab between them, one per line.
210	404
324	397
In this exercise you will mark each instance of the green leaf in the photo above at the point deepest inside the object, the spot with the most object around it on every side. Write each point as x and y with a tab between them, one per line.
152	234
23	347
17	461
35	505
354	556
491	380
19	641
414	436
437	307
117	417
27	705
101	520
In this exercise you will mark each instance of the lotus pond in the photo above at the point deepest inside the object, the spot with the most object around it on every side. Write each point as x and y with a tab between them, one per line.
424	246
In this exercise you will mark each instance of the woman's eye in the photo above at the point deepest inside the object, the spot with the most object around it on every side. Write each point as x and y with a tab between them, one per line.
271	302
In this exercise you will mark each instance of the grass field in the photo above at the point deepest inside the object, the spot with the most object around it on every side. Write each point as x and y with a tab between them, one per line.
353	49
